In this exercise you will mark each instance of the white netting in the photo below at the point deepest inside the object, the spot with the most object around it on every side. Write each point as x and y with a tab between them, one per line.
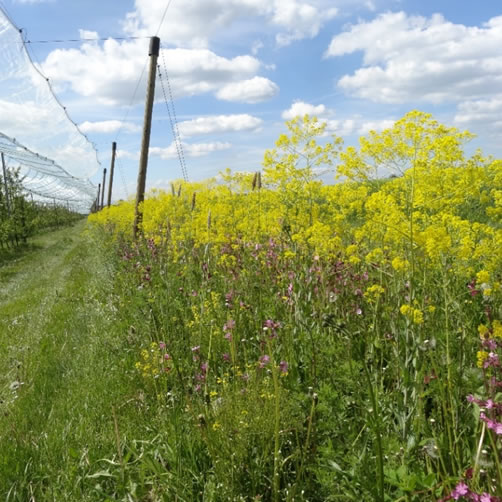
36	134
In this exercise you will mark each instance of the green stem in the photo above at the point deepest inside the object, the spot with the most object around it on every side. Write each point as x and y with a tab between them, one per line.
378	442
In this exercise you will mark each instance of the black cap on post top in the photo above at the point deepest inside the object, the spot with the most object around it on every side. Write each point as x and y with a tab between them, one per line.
154	46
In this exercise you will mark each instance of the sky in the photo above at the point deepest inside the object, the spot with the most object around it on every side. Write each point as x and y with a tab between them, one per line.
238	69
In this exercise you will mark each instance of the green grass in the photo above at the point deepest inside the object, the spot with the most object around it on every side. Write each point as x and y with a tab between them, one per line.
56	349
80	421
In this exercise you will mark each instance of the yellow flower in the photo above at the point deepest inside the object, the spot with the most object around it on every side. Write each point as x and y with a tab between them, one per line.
482	357
406	309
418	316
497	329
482	277
482	330
399	264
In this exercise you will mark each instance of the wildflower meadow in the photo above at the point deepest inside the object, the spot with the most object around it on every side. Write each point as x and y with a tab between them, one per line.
290	340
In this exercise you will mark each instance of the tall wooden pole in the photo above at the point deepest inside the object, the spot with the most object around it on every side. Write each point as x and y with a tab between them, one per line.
7	201
112	168
103	188
147	127
97	200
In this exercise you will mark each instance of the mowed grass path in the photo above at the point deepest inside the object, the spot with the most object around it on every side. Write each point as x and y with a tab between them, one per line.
61	384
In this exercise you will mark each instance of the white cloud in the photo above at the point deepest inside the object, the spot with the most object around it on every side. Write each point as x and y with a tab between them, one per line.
86	34
301	19
481	114
300	108
108	126
192	23
189	149
252	90
409	58
374	125
341	128
125	154
219	124
109	73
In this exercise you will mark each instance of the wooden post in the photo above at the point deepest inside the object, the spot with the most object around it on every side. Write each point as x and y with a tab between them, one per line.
103	189
147	126
97	200
7	201
112	168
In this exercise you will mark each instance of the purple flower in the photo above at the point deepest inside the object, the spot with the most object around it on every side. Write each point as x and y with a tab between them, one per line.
272	327
283	366
162	345
167	357
226	357
460	490
263	361
204	367
491	424
196	348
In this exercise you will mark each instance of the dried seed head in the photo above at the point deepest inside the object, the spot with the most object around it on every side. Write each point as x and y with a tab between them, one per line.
173	191
208	219
193	201
255	178
179	190
259	180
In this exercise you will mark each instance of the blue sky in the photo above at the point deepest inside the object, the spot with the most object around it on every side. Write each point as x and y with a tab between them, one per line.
239	68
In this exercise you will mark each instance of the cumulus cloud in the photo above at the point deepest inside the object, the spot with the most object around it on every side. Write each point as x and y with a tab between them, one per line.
481	114
301	20
219	124
192	23
343	126
409	58
374	125
252	90
109	72
300	108
108	126
189	149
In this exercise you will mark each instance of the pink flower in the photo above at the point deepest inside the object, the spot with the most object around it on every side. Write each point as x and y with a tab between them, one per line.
460	490
263	361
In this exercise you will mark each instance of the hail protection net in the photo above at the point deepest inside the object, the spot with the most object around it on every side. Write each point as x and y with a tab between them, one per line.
37	137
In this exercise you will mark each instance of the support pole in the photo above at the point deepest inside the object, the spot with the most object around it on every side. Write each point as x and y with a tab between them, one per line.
4	168
98	199
147	126
112	168
103	188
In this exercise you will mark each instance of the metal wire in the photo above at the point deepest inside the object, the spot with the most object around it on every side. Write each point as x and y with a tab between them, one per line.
173	120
